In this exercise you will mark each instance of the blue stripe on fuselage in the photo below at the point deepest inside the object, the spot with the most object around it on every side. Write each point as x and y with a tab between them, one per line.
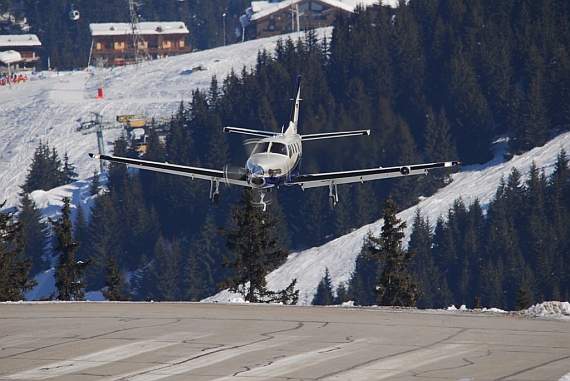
288	178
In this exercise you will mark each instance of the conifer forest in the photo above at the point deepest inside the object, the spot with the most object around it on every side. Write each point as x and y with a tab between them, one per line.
433	80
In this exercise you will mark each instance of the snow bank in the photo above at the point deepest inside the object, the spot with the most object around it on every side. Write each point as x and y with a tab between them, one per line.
550	309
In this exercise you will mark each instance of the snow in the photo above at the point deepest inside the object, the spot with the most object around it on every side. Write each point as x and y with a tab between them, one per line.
472	183
51	105
262	9
146	28
11	40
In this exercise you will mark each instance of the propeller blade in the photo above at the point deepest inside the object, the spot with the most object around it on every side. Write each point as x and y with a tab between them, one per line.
249	145
234	172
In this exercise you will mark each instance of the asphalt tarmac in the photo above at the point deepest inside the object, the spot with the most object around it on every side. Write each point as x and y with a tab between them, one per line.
88	341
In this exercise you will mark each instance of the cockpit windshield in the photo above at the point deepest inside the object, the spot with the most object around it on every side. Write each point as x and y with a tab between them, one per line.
261	147
279	148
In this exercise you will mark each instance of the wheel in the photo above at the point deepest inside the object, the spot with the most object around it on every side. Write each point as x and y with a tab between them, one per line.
331	202
216	199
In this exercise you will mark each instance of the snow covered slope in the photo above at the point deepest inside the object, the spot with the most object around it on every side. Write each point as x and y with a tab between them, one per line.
50	106
473	182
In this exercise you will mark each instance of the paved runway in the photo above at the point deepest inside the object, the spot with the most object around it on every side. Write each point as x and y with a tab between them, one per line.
187	341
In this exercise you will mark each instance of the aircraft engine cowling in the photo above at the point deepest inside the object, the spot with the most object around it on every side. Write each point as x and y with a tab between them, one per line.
257	182
405	171
256	178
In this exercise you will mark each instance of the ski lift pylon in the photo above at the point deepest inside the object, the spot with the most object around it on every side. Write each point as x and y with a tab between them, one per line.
73	14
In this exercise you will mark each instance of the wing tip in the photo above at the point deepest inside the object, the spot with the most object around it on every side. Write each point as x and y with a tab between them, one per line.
95	156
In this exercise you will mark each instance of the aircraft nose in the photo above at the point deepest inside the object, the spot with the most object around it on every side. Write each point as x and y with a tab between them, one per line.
257	171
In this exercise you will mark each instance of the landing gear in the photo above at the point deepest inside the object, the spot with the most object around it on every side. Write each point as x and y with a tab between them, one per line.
215	191
261	203
333	195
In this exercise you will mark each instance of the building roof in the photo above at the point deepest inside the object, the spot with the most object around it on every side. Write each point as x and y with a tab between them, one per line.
9	40
262	9
10	56
145	28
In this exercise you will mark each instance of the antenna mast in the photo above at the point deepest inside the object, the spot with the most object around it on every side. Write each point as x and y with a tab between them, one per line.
140	52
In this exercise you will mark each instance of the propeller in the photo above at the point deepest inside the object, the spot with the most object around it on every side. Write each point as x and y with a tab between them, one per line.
249	145
234	172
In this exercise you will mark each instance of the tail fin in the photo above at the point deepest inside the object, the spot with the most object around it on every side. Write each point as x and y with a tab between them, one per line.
292	129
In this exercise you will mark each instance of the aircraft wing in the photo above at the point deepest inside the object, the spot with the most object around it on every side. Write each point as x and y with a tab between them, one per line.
361	175
181	170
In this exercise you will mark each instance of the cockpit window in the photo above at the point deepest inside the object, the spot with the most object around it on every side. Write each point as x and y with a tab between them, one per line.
279	148
261	147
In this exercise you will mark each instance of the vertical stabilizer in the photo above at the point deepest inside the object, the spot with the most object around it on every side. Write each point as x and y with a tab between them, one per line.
292	129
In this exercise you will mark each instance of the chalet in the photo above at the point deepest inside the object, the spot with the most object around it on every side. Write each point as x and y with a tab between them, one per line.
113	43
274	17
25	44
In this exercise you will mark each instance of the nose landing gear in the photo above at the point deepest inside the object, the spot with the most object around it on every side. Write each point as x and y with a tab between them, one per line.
333	195
261	203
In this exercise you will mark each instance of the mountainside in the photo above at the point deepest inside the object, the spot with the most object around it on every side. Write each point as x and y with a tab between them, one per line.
50	106
473	182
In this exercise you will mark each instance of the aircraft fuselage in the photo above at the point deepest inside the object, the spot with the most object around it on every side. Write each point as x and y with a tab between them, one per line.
274	161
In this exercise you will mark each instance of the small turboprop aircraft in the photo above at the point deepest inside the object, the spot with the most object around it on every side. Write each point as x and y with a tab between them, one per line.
275	162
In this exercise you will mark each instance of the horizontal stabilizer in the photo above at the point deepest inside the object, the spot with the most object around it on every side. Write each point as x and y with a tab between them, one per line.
330	135
247	131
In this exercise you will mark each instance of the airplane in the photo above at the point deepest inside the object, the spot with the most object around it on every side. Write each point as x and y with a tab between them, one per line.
275	162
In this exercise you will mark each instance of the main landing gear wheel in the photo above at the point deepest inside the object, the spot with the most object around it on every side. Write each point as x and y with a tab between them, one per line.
331	202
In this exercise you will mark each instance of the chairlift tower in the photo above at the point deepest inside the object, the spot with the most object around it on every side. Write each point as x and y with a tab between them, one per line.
295	17
140	53
96	125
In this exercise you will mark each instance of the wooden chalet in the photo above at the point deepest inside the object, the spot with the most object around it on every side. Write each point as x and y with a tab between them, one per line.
274	17
25	44
113	43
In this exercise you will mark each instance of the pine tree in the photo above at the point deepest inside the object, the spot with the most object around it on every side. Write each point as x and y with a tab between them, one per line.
45	170
167	271
324	295
439	146
35	232
431	281
204	262
539	245
69	274
363	281
256	249
68	174
104	239
80	232
96	184
533	130
14	270
395	287
115	283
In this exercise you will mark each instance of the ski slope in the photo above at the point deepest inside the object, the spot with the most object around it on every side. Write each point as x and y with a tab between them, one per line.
51	105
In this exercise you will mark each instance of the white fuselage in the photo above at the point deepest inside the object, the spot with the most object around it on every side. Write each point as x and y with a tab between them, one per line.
274	160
